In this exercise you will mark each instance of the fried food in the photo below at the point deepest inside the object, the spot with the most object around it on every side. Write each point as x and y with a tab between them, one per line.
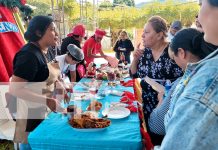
94	105
91	114
84	121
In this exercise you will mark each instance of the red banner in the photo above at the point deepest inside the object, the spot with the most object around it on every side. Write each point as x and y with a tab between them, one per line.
10	42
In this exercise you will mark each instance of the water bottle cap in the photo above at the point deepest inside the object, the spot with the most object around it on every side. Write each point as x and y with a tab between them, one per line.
168	84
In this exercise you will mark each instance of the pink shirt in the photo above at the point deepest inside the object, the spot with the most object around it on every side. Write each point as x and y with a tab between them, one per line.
95	48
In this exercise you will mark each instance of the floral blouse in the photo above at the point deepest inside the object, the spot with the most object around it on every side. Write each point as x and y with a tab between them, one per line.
164	68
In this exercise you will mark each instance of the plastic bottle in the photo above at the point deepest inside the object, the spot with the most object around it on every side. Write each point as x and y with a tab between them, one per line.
122	57
167	86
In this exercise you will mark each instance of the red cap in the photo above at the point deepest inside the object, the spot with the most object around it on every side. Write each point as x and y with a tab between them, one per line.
99	32
78	30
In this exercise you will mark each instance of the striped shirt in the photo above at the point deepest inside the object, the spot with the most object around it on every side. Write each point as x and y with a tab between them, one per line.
156	120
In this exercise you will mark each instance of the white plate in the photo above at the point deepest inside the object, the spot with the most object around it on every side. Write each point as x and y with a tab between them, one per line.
90	129
116	112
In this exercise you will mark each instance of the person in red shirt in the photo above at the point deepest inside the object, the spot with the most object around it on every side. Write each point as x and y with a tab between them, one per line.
93	46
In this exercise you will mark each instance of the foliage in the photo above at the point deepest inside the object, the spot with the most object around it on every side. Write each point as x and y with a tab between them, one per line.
42	8
130	3
71	8
105	5
125	17
26	10
120	17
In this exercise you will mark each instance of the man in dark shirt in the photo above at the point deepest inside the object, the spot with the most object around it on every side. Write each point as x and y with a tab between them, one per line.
75	37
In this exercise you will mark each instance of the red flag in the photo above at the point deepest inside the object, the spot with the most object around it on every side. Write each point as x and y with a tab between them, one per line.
10	43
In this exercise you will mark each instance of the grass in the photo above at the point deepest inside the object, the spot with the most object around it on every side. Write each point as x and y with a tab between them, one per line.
6	145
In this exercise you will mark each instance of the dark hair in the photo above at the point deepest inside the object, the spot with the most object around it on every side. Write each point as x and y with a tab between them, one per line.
76	36
159	24
213	3
37	28
189	40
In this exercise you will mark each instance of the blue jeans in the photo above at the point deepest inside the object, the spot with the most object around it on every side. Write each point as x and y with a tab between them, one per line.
25	146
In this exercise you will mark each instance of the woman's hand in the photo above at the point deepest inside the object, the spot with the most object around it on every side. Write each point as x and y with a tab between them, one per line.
112	61
138	52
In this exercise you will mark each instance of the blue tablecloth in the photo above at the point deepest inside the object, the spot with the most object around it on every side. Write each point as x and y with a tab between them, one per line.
54	133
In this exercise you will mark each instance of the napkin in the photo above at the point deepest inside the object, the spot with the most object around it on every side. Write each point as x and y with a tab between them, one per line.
126	100
130	95
129	98
132	108
128	83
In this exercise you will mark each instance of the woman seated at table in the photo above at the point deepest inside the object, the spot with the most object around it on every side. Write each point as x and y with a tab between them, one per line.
153	61
185	47
67	62
31	77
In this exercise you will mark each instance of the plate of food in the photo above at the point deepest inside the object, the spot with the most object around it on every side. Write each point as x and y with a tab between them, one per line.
116	112
84	123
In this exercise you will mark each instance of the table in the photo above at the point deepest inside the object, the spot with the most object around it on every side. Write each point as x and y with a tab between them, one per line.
54	133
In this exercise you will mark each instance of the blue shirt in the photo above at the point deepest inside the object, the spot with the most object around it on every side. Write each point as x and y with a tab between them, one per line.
192	120
156	120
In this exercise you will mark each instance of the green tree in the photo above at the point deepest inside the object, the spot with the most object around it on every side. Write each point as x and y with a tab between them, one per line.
71	8
43	7
130	3
105	5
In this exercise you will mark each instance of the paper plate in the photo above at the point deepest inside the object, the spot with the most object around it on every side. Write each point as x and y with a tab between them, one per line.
116	112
